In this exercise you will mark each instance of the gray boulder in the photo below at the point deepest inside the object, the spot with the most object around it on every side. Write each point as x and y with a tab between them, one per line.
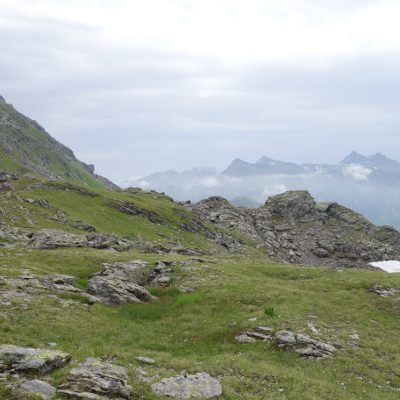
97	380
198	386
121	283
26	359
39	388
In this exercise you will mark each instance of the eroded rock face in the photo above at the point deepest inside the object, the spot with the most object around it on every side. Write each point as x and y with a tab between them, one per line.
94	379
26	359
292	227
198	386
122	283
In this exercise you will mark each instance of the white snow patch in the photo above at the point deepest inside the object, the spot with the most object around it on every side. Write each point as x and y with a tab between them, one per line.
357	172
388	266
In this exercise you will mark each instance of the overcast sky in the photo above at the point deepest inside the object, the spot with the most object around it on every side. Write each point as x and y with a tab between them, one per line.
137	86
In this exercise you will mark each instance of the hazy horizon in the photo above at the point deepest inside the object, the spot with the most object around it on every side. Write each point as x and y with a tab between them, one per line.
136	88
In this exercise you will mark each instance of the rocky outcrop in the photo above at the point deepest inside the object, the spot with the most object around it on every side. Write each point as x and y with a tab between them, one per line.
292	227
131	209
13	234
26	359
97	380
126	282
51	238
198	386
302	344
21	289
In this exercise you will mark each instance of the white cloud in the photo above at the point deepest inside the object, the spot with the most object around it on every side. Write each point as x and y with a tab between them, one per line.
357	172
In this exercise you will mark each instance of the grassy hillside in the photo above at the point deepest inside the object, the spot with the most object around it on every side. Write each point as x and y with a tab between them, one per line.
26	147
196	331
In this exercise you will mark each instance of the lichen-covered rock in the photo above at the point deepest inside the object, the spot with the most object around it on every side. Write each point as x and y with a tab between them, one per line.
94	379
198	386
121	283
26	359
39	388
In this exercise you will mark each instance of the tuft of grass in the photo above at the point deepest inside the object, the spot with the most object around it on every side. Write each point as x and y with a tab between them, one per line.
188	298
165	292
270	311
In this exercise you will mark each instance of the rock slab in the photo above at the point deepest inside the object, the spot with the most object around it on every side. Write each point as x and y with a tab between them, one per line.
26	359
39	388
198	386
94	379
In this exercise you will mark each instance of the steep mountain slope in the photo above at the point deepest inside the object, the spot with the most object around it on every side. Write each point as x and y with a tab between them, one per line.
26	147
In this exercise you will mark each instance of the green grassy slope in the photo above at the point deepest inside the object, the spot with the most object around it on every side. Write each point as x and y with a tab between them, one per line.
195	332
25	146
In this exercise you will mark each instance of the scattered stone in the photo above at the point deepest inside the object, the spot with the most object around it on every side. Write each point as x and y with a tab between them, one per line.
321	253
252	319
39	388
384	292
312	328
198	386
94	379
145	360
302	344
26	359
244	338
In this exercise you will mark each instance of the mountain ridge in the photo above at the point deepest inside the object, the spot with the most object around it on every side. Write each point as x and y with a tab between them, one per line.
26	147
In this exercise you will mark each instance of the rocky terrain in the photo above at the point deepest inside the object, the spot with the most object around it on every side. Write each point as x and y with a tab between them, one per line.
294	228
127	294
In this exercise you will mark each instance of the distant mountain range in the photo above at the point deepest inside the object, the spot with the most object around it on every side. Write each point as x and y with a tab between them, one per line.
369	184
376	168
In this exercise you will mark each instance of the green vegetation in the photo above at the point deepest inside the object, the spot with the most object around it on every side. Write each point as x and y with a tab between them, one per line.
270	311
195	332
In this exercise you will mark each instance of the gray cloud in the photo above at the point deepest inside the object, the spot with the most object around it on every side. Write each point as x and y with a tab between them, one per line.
133	110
